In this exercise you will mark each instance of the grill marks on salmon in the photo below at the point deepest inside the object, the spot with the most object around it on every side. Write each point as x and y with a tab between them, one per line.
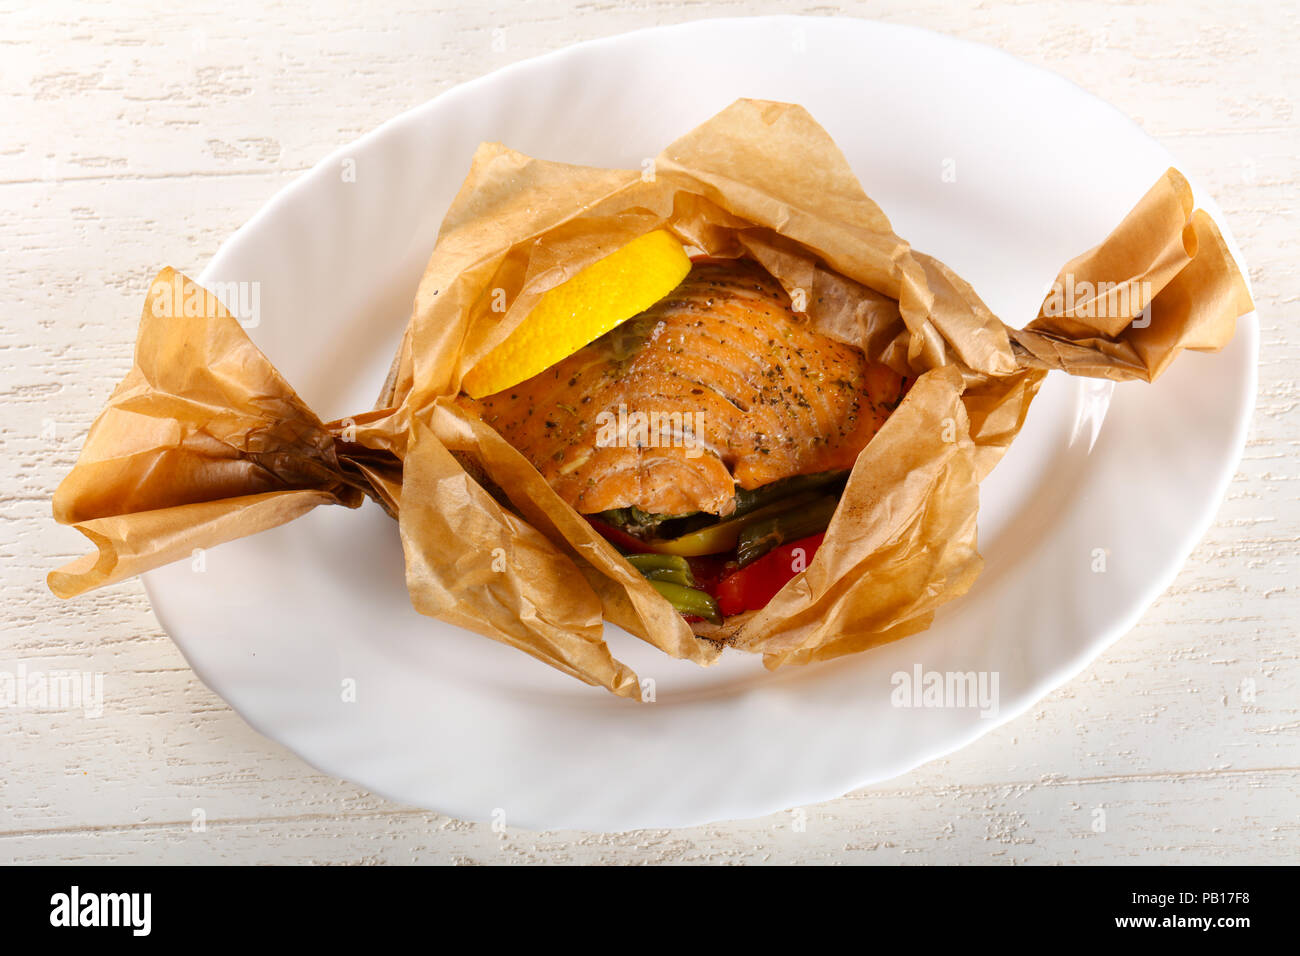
744	391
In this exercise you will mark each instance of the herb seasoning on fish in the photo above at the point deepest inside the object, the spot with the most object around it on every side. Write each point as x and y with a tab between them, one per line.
724	350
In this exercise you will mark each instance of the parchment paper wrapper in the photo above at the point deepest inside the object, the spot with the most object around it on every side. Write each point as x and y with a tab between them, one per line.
204	442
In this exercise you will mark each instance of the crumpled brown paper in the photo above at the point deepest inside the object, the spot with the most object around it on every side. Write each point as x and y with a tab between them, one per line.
204	442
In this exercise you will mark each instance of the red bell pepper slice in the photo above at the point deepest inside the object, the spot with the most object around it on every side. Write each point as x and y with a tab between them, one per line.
750	588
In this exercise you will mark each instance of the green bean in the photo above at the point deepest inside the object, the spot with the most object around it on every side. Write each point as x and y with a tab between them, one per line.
673	577
634	519
751	506
664	567
760	537
690	601
747	501
659	562
717	538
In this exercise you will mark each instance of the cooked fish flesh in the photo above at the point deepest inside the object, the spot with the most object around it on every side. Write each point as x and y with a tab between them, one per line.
721	384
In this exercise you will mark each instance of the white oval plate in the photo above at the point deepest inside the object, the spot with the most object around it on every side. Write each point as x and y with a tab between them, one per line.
453	722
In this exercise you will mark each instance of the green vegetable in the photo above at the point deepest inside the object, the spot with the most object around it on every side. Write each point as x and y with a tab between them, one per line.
673	577
747	501
717	538
689	601
760	537
636	521
664	567
700	534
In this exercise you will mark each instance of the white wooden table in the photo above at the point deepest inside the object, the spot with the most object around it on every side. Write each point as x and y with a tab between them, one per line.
133	140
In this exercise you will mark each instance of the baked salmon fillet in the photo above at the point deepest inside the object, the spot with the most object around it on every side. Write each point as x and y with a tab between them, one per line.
717	386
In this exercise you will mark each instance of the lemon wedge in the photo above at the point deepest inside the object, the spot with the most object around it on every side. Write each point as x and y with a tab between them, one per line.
582	309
